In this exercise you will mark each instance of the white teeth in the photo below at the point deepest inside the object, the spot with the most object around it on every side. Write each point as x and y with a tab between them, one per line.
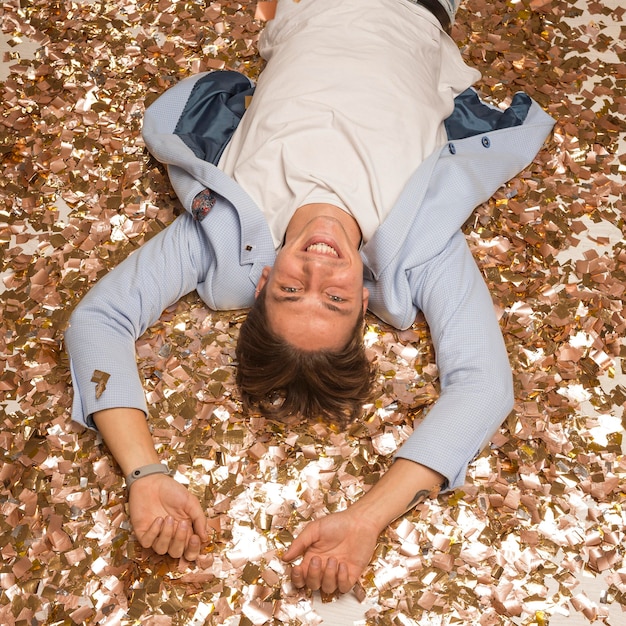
322	248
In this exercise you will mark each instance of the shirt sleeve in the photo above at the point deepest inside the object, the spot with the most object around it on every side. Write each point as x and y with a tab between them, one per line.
102	331
474	371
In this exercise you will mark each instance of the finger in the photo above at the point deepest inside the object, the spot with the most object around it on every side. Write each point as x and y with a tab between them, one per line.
198	519
343	579
313	575
162	543
300	544
329	578
193	548
147	538
297	576
179	539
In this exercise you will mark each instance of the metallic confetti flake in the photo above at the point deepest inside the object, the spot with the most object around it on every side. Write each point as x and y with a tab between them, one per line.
101	379
544	506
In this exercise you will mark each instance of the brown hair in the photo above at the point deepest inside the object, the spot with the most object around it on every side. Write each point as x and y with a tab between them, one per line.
311	383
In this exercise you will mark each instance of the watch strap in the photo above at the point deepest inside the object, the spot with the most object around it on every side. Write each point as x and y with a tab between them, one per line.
146	470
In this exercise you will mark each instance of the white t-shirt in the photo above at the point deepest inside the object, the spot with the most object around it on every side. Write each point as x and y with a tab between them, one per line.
352	100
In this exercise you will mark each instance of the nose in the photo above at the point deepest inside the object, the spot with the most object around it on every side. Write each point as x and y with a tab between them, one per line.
317	270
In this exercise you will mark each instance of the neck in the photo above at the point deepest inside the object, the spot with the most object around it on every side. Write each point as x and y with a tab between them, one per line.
307	212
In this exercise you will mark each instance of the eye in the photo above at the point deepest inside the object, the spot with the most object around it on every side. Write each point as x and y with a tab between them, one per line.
289	289
336	298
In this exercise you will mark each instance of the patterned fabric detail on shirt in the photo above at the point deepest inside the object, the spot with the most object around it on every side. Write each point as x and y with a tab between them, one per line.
202	204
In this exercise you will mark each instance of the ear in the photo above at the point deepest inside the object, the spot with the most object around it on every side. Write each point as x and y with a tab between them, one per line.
366	299
265	274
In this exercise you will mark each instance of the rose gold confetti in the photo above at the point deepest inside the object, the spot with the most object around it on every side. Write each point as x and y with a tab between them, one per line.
265	10
101	379
79	193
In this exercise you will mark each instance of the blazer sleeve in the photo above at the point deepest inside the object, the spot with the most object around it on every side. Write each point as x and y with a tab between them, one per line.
476	389
102	331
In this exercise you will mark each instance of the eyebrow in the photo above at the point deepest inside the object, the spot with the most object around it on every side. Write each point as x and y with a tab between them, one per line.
327	305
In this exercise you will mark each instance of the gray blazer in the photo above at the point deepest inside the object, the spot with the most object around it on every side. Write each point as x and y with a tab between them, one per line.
417	260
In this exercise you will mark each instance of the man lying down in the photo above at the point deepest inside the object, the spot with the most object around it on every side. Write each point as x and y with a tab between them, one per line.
342	188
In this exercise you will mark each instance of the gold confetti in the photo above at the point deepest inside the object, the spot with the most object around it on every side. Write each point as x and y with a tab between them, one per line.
543	506
101	379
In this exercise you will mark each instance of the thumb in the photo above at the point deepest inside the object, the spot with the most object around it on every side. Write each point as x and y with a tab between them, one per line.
300	544
198	518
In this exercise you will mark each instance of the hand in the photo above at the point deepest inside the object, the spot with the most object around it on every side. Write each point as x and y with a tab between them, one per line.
338	547
166	517
335	549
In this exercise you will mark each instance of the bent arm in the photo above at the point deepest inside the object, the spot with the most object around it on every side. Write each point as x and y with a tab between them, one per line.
103	328
475	375
108	393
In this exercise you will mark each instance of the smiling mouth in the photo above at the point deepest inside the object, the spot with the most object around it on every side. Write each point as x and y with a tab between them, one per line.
323	248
